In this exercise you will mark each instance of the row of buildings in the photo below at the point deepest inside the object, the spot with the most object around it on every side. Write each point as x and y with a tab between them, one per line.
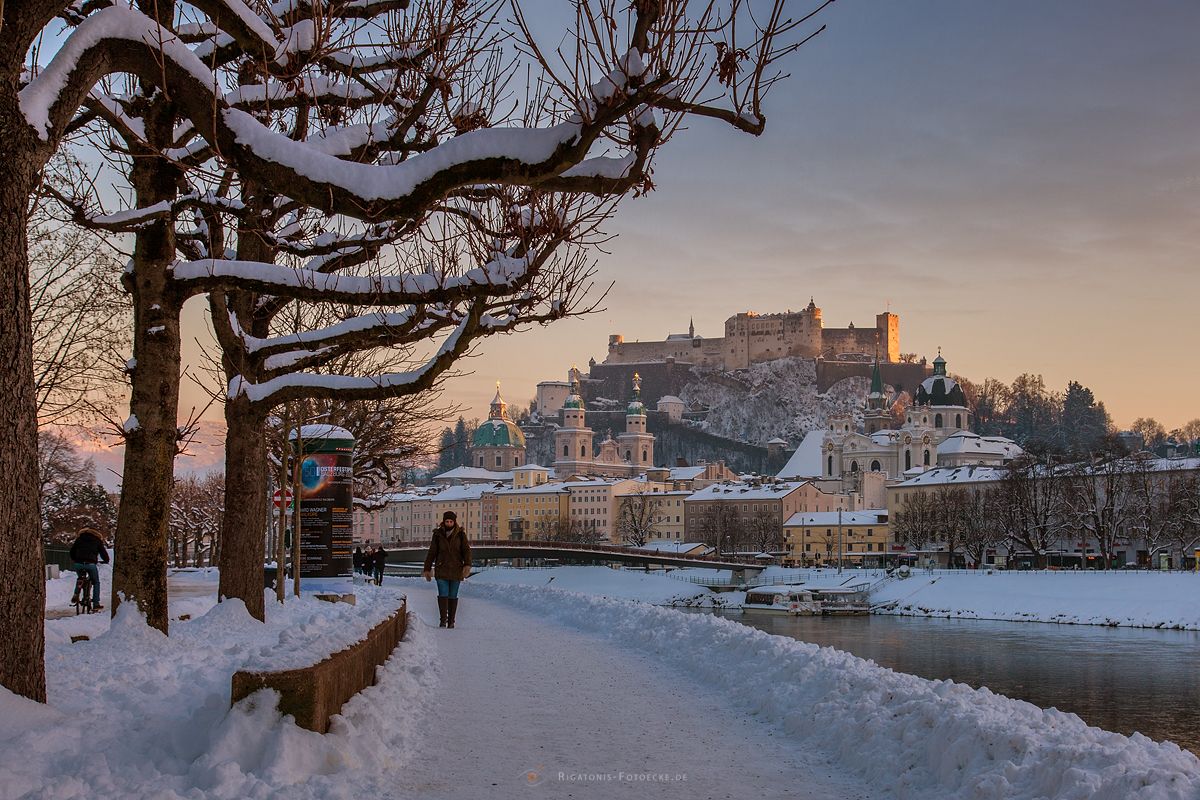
833	501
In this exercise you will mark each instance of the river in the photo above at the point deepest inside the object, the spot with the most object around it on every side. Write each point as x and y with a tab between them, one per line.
1120	679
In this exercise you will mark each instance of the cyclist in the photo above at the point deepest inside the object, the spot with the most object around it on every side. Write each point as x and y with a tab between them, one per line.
87	549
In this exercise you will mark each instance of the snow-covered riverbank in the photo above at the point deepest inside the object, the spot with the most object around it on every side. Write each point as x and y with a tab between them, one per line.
906	736
1118	598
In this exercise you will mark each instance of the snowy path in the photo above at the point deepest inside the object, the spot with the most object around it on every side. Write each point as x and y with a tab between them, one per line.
522	699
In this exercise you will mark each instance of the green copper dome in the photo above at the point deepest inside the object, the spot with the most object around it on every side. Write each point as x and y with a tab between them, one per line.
498	433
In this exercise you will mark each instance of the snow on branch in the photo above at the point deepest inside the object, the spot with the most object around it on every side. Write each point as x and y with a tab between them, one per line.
502	273
296	385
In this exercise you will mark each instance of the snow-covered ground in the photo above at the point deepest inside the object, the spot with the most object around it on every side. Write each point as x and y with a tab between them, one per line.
645	587
573	692
1127	598
133	713
903	736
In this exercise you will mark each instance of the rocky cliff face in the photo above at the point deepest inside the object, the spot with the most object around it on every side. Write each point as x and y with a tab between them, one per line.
777	398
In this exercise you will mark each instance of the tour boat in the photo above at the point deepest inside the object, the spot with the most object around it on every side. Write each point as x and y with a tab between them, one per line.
841	601
794	600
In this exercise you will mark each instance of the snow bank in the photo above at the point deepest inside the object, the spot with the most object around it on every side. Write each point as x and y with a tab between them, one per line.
644	587
910	737
1120	598
133	713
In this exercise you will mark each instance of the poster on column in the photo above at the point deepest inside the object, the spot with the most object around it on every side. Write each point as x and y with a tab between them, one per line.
326	501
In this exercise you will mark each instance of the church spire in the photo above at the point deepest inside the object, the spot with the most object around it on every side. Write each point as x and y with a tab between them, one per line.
939	364
499	409
691	327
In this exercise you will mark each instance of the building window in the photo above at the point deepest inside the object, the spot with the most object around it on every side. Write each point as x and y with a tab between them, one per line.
958	421
566	453
498	463
875	466
937	420
854	466
829	466
645	456
926	458
907	460
582	451
481	461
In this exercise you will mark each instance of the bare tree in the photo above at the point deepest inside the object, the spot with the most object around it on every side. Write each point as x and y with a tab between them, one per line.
637	519
915	524
80	318
1031	505
718	525
1099	502
980	530
634	75
765	532
197	506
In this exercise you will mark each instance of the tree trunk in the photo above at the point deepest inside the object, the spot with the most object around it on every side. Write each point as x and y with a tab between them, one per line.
242	532
147	483
22	578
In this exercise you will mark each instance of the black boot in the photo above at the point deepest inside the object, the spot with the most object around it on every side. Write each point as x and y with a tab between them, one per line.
443	602
453	602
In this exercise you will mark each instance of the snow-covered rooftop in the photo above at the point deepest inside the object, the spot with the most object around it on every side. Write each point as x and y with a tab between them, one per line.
473	474
322	432
948	475
806	461
746	491
686	473
966	442
874	516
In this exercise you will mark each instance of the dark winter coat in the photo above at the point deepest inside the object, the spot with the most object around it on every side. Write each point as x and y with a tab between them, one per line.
449	553
380	559
368	563
88	548
358	560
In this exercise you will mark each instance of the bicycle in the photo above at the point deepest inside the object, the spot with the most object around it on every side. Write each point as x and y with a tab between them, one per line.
83	594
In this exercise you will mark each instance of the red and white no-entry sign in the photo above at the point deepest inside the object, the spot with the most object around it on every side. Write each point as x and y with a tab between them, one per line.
287	496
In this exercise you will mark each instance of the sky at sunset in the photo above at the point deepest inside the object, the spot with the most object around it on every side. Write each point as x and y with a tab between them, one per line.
1020	181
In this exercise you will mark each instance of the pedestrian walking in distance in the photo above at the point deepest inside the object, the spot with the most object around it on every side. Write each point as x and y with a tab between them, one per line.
368	562
449	561
358	560
380	563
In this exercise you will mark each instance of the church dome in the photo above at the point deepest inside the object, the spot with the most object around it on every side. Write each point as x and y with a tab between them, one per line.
498	430
498	433
939	389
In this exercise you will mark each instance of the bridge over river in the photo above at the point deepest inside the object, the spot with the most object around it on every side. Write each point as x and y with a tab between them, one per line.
742	568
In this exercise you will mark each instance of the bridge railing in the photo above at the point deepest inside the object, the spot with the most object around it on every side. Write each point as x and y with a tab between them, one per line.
601	547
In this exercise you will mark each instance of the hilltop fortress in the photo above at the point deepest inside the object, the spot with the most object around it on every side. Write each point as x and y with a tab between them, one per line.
752	338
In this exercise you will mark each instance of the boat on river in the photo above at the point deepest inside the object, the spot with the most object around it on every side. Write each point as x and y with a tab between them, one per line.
796	601
842	601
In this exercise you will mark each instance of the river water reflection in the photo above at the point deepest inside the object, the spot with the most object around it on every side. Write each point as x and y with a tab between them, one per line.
1120	679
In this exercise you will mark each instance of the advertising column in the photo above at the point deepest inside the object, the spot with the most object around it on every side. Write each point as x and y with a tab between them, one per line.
325	504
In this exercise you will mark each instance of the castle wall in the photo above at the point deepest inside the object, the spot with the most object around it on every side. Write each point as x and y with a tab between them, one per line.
756	338
703	352
864	341
903	377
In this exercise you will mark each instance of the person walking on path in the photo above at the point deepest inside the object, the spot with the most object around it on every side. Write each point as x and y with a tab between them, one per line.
358	561
86	550
380	563
449	561
368	562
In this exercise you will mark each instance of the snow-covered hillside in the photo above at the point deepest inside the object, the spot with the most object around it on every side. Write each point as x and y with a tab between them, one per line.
775	398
